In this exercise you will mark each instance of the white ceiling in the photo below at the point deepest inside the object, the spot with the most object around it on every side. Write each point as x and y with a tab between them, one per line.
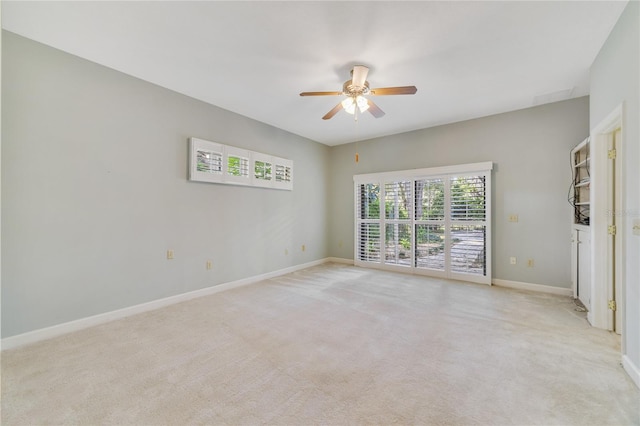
467	59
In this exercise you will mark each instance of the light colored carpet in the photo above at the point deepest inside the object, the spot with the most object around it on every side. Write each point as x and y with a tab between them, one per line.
332	345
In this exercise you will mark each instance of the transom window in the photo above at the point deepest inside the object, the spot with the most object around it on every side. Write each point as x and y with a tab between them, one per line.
218	163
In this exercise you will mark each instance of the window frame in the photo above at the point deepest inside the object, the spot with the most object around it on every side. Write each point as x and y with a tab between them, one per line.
446	174
224	176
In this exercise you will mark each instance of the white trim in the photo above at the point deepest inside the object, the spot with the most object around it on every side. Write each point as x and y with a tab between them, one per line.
599	314
540	288
83	323
632	370
431	171
339	260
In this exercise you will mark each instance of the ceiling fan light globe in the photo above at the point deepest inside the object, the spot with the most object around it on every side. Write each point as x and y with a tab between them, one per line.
349	105
362	103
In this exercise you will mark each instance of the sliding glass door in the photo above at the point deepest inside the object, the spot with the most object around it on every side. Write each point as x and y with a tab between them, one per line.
468	226
437	225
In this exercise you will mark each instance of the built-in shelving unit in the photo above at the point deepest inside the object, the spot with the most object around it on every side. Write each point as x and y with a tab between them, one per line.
579	197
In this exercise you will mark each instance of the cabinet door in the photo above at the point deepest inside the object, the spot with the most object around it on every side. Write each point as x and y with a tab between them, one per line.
584	268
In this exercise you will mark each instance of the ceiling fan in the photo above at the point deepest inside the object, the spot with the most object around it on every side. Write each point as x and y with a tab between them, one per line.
355	90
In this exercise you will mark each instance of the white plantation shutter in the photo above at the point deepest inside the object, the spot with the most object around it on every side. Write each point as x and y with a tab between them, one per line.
368	239
218	163
282	173
262	170
368	201
206	161
430	246
369	242
468	224
468	250
238	162
429	224
430	199
398	203
398	200
209	161
468	198
432	221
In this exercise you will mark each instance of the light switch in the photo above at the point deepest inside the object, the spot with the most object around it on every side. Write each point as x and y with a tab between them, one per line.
513	218
636	227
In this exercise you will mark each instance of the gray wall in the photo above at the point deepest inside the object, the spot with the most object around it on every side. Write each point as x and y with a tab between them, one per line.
615	79
94	191
530	151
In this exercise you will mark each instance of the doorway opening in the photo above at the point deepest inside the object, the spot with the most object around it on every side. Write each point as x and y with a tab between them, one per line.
607	189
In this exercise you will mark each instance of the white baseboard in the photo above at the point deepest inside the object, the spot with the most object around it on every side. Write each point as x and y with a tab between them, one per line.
532	287
340	260
82	323
632	370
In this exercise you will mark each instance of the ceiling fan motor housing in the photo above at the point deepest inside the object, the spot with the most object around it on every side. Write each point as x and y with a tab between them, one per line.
349	89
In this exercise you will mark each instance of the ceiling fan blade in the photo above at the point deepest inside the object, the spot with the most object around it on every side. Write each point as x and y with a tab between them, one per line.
333	112
359	75
320	93
402	90
374	109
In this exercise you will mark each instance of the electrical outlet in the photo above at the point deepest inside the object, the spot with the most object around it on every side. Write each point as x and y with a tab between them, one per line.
169	254
530	263
303	247
636	227
513	260
209	265
513	218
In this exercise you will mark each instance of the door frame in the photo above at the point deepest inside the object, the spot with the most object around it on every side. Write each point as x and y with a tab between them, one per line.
444	172
602	268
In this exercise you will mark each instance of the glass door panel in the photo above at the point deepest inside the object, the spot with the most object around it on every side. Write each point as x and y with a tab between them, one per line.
398	244
369	242
430	247
468	249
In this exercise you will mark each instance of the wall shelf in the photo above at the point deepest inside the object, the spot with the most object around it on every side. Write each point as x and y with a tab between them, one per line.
584	163
579	196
